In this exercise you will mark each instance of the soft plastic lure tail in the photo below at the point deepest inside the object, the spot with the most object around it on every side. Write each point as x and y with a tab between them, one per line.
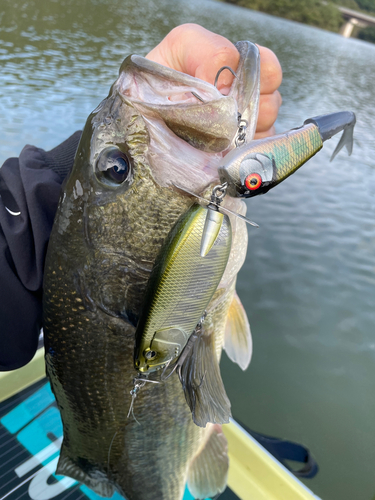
257	167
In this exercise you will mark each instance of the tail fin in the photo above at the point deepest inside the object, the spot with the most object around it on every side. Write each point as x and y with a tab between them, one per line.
332	124
346	140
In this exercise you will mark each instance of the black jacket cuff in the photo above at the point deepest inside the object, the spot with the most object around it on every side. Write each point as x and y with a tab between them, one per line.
60	159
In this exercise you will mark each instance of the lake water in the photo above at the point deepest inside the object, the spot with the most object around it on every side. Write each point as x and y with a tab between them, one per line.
308	283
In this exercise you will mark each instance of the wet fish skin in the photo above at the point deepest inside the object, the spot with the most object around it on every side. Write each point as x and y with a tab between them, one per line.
103	246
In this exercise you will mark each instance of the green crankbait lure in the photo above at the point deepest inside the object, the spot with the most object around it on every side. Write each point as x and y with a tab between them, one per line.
258	166
180	288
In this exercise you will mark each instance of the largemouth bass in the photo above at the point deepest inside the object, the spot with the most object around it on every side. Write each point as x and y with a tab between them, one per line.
116	211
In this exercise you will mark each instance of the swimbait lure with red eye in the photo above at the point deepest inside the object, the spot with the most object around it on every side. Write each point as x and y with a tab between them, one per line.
258	166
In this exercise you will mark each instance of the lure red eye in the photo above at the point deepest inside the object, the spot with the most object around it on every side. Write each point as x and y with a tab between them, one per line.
253	181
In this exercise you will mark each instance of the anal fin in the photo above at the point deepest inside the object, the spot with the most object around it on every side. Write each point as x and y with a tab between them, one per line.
99	484
208	471
237	338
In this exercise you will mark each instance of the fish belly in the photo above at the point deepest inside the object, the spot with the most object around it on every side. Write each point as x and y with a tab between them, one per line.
89	359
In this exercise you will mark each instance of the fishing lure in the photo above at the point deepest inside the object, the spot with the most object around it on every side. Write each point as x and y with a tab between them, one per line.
180	288
258	166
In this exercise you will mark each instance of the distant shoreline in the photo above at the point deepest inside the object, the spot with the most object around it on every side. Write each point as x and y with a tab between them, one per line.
321	14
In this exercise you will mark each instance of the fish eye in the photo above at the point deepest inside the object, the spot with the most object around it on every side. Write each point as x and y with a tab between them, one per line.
113	167
253	181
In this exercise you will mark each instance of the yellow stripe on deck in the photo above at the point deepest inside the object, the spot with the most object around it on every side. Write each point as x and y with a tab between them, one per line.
17	380
254	474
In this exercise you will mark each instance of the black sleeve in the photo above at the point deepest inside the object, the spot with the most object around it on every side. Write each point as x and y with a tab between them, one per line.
29	192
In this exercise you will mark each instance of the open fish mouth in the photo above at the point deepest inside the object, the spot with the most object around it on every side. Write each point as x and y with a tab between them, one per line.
190	124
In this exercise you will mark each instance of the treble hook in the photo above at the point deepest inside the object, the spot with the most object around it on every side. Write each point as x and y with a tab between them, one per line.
163	378
138	383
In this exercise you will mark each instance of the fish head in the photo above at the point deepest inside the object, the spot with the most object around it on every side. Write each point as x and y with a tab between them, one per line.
119	204
190	124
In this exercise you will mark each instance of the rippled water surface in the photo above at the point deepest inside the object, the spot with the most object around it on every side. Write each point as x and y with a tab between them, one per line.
309	279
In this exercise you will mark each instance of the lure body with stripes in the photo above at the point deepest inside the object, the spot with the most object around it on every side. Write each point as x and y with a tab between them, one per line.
257	167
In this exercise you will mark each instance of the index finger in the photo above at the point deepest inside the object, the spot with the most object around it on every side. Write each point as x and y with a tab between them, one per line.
192	49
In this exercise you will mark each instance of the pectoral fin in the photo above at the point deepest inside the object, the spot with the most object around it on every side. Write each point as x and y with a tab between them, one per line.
208	471
237	338
202	384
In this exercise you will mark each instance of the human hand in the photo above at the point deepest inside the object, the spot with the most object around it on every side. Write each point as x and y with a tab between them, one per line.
193	50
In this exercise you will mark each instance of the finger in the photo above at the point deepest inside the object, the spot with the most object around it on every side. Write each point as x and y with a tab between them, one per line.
269	105
270	71
267	133
222	55
192	49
